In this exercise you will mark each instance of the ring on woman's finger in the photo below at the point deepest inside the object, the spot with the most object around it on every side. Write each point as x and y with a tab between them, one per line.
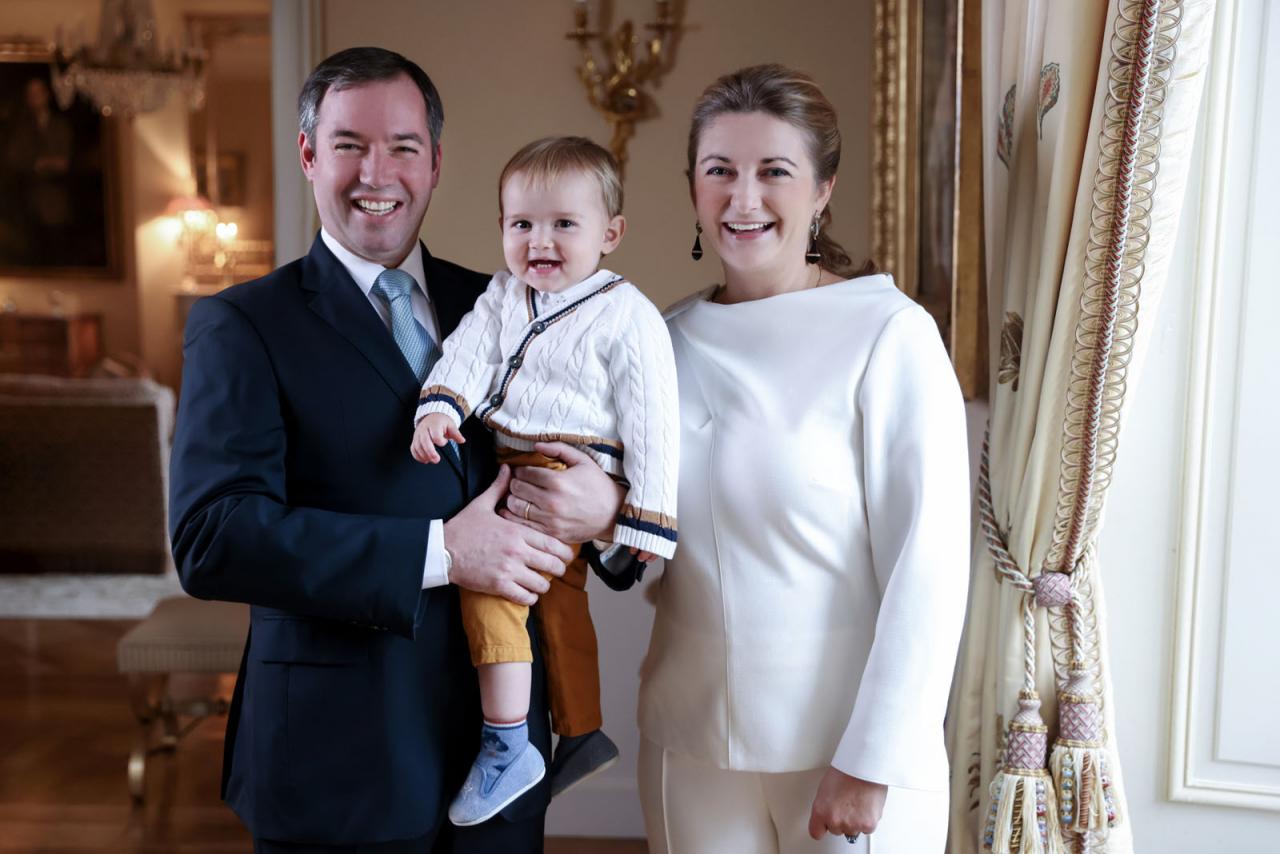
851	837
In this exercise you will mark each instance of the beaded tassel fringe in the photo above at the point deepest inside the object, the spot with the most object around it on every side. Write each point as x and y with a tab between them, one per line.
1079	762
1023	815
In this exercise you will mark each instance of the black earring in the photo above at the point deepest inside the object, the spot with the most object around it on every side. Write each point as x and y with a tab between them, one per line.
813	256
697	242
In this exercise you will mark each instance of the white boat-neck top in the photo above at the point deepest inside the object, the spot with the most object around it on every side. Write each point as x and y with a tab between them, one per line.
812	613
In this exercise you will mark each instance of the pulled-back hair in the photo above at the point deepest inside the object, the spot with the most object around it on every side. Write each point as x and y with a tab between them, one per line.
358	65
545	160
796	99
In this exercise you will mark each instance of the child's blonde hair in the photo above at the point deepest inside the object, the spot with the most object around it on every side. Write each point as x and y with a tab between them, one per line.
545	160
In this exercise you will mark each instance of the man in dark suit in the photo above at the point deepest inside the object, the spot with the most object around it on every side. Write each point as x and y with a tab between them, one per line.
356	713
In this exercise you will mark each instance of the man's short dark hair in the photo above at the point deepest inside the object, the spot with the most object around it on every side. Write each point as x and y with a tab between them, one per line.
358	65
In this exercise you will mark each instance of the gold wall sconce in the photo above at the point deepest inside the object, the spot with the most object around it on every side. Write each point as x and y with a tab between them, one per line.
614	86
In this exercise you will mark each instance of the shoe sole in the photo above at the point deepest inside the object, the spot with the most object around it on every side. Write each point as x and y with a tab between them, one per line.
584	778
502	806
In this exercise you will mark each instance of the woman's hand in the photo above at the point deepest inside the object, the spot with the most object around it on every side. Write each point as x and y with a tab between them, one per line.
846	805
576	505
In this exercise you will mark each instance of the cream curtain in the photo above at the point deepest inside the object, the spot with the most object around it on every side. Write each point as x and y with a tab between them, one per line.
1089	109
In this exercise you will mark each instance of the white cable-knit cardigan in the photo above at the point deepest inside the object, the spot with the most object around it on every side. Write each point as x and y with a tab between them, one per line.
591	366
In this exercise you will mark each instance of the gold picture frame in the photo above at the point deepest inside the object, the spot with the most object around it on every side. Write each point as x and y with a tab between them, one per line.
927	169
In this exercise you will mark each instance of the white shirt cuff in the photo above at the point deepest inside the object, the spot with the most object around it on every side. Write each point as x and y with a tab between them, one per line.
433	572
608	551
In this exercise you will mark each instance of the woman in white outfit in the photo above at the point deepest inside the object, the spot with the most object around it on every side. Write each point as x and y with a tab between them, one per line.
793	695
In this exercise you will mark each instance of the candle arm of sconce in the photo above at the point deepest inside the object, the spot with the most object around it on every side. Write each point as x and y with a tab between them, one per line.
592	81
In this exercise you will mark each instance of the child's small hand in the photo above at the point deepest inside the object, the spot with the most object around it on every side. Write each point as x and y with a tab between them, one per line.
645	557
434	430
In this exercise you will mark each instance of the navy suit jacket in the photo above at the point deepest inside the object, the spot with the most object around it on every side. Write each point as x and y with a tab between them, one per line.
356	711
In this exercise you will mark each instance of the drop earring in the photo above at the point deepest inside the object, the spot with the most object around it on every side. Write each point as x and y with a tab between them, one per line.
813	256
697	242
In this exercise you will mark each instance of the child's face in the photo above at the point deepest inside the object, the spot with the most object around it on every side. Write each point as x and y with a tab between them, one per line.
553	237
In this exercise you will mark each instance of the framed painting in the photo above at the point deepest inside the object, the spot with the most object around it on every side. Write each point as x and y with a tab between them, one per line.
927	170
59	200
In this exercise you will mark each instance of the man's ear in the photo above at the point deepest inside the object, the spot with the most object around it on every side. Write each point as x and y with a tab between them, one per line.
436	155
306	155
613	234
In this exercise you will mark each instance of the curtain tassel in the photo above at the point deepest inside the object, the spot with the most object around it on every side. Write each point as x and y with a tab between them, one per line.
1023	816
1079	762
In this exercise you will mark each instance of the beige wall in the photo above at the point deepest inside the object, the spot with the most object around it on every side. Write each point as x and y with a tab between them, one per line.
507	76
238	98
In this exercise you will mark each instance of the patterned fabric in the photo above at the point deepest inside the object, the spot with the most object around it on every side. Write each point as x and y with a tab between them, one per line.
1004	132
1053	589
394	287
1080	721
1050	83
1072	230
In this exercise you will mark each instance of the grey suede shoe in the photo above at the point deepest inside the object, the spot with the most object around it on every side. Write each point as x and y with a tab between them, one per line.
578	757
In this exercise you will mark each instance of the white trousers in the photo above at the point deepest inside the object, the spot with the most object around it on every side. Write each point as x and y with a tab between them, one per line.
692	807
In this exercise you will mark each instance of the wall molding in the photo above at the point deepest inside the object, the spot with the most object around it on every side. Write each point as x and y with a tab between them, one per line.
1201	767
297	46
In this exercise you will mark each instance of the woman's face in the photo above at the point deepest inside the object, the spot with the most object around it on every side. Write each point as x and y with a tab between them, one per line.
755	191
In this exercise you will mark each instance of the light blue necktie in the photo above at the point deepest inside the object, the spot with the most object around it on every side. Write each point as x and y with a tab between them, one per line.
394	287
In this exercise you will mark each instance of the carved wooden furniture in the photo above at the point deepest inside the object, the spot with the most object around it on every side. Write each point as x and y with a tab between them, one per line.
63	346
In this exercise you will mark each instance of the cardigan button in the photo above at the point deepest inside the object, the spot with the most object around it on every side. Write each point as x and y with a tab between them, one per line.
495	401
515	361
539	327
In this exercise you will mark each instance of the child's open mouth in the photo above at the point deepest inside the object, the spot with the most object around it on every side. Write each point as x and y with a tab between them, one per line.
544	265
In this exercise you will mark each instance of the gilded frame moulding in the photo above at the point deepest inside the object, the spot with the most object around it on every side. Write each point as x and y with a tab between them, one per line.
928	134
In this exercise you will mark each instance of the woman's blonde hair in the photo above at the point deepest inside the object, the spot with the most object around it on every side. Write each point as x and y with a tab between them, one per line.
796	99
543	161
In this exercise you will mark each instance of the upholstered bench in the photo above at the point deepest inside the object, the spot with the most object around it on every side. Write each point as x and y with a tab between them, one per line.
182	635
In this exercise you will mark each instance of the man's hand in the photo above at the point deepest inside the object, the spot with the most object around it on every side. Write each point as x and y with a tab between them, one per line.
846	805
492	555
576	505
434	430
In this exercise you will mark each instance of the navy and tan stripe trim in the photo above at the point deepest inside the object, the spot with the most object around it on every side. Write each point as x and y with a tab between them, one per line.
612	447
434	393
648	521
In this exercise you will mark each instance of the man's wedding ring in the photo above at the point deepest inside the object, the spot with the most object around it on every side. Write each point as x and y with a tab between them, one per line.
527	505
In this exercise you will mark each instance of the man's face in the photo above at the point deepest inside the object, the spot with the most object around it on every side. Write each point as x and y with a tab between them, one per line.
372	168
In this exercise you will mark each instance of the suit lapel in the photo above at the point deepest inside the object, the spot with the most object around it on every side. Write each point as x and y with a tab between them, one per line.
338	300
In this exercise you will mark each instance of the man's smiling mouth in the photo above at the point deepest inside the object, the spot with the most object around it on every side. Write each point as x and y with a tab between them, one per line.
376	208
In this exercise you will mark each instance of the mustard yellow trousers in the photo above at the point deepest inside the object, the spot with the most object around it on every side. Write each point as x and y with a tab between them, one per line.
496	632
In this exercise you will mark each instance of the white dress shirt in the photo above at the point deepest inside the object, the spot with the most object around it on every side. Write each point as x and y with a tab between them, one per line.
365	273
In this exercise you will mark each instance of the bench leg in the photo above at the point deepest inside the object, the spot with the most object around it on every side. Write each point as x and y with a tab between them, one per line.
148	695
158	725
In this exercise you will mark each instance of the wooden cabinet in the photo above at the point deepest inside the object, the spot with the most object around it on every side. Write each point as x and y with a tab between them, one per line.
65	346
